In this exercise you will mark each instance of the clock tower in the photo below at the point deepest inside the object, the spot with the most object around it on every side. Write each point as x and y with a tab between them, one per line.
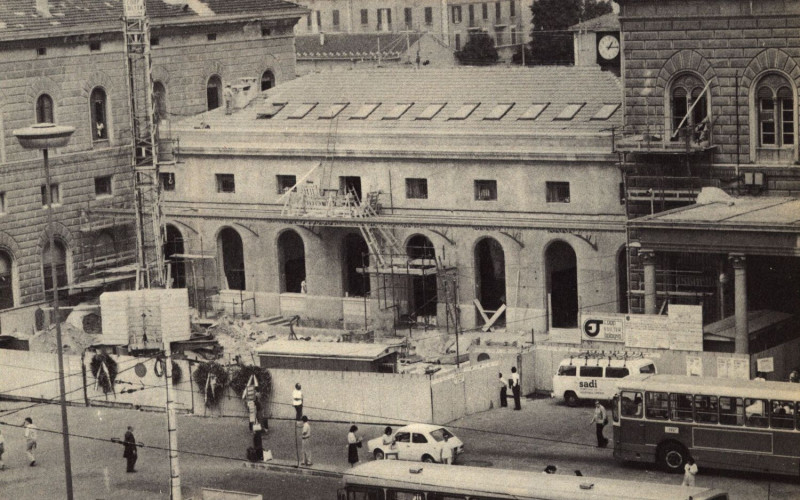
597	43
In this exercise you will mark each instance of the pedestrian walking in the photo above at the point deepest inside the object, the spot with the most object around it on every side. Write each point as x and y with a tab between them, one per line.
2	450
130	453
306	440
503	392
353	444
30	440
297	401
600	419
689	472
515	388
446	455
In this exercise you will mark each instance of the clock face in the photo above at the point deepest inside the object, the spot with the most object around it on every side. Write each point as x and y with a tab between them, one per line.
608	47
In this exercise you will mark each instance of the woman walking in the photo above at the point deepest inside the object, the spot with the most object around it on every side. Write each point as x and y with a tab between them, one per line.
353	444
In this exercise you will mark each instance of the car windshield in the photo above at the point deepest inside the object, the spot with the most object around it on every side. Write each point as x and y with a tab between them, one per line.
440	434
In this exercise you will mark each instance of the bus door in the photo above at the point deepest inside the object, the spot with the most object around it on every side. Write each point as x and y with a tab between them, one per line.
632	426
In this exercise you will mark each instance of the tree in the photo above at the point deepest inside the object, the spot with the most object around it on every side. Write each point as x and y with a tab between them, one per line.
551	43
479	50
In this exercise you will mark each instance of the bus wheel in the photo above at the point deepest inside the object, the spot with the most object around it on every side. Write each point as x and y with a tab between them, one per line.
571	398
378	455
672	456
428	459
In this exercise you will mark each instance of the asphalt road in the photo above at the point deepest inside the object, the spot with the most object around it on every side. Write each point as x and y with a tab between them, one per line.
212	452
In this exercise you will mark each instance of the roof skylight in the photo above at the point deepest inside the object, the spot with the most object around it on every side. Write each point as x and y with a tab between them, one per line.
463	112
533	111
605	112
364	111
498	112
396	111
569	111
332	111
429	112
302	110
268	110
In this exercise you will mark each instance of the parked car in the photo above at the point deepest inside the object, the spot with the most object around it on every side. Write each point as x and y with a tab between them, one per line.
595	378
420	442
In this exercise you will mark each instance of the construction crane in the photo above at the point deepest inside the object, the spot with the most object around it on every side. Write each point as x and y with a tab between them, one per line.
147	190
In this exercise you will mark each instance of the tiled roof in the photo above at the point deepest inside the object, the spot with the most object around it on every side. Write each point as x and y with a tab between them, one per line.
353	45
553	88
21	19
606	22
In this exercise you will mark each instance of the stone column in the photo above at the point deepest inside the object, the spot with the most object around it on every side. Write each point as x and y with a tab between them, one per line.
648	258
740	302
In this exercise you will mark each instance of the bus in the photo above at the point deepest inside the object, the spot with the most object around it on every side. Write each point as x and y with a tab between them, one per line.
722	423
397	480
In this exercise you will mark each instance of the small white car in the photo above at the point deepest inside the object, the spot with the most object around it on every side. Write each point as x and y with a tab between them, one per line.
419	442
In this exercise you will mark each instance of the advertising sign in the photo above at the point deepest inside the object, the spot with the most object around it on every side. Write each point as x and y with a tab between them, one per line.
647	331
766	365
603	327
733	368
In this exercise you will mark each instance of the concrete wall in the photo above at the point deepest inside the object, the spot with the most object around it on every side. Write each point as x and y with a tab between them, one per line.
786	357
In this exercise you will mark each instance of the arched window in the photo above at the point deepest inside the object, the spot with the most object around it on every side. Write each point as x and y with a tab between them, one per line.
44	109
6	281
267	80
159	101
99	112
775	104
685	90
214	92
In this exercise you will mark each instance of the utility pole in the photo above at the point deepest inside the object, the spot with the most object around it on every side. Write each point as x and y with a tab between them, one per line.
172	427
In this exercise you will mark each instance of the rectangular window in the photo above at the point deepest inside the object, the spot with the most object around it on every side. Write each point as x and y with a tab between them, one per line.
408	16
301	111
350	185
533	111
590	371
336	18
680	406
2	202
167	180
512	8
41	51
606	111
568	371
364	16
787	122
569	111
102	186
463	112
332	111
471	9
656	405
458	41
363	112
264	31
456	14
395	112
54	194
621	193
631	403
154	41
226	183
513	31
706	409
731	411
498	11
308	21
211	37
485	11
417	189
782	414
428	15
498	112
557	192
617	372
755	412
285	183
767	122
319	18
485	190
429	112
95	46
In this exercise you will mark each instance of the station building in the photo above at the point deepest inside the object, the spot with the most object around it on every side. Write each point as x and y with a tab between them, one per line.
66	63
382	199
711	103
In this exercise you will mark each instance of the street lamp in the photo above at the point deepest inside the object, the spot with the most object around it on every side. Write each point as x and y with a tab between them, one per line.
44	136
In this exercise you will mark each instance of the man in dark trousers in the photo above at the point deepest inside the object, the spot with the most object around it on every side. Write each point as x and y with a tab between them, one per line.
515	388
130	452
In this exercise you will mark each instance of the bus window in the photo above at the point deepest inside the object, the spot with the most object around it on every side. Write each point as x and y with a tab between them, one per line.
651	368
755	412
405	495
681	407
731	411
705	409
782	415
568	371
631	404
613	372
591	371
364	493
657	405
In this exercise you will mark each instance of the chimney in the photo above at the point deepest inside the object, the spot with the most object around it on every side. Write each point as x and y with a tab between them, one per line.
43	8
321	38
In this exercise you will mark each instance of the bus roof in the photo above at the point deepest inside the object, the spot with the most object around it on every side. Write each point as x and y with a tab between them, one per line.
711	386
512	484
601	361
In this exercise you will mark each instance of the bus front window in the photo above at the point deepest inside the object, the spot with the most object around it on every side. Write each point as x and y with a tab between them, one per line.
631	404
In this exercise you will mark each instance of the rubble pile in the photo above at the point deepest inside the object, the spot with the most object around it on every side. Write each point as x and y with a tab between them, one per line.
74	339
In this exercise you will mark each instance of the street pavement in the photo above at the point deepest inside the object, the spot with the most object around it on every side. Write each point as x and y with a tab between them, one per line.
212	454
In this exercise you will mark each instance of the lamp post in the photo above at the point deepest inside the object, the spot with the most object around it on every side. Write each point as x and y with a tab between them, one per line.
44	136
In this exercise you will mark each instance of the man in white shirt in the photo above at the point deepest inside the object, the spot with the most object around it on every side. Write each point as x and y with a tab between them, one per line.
599	418
515	388
297	401
30	440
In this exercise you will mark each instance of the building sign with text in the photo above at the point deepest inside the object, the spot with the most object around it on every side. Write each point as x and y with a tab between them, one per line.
603	327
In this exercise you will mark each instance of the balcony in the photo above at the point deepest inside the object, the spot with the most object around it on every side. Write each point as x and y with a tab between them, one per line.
652	139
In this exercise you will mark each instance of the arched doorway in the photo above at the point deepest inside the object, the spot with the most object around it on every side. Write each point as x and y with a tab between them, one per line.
231	252
562	284
622	280
267	80
174	245
214	92
292	262
6	280
60	264
423	286
356	256
490	277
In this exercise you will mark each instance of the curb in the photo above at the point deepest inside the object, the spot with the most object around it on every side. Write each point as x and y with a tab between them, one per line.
292	468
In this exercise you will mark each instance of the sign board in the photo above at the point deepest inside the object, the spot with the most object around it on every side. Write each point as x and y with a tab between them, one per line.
686	327
603	327
647	331
766	365
733	368
681	329
134	8
694	366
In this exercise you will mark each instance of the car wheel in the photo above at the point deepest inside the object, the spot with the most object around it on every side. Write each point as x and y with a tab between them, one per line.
672	457
378	455
571	398
428	459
